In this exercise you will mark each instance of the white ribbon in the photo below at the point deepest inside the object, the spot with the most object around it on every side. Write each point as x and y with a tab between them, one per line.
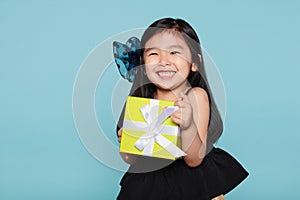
154	128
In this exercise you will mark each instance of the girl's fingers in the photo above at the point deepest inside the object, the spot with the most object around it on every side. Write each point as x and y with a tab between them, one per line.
176	119
120	132
181	104
177	114
184	97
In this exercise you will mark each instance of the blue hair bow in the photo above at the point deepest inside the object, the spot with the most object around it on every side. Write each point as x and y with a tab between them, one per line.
127	57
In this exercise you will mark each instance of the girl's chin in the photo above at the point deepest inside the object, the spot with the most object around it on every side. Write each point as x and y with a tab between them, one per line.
163	86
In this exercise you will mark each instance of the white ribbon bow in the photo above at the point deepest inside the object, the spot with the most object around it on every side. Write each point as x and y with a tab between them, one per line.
154	129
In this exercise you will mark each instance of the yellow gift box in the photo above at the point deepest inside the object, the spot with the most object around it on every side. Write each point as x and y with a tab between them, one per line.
148	130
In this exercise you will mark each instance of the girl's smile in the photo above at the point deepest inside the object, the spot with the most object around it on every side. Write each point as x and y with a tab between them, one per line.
166	74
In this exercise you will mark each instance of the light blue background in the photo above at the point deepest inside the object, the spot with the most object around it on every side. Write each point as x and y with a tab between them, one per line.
255	45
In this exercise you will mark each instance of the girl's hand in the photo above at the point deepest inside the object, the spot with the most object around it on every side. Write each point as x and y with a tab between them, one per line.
120	134
184	115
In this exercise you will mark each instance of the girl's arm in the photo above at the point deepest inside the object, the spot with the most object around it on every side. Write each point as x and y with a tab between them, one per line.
193	118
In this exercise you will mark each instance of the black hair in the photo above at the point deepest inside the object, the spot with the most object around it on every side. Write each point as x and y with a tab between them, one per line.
142	86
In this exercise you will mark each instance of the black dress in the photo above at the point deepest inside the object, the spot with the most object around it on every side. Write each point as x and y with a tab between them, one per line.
218	174
160	179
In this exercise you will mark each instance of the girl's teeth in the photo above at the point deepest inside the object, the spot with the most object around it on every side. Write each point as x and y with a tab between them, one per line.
166	74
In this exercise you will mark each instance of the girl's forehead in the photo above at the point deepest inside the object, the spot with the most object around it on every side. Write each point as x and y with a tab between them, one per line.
166	39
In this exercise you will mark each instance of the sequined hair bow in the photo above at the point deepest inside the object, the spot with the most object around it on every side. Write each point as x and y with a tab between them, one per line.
127	57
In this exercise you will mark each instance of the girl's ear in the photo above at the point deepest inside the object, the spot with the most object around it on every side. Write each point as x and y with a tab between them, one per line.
194	67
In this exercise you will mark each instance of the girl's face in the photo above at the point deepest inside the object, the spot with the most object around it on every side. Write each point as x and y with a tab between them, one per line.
168	61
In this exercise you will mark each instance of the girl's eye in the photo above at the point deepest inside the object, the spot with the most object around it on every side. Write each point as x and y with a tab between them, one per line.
174	52
152	54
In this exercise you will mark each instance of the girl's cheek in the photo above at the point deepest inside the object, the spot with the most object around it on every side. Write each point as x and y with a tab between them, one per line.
150	65
150	61
181	59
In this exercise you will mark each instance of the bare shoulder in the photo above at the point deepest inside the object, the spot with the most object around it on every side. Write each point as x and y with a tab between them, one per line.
199	95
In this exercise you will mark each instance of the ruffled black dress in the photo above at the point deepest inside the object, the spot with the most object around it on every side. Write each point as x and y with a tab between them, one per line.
218	174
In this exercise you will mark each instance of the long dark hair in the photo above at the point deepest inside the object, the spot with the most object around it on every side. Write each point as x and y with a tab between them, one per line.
142	86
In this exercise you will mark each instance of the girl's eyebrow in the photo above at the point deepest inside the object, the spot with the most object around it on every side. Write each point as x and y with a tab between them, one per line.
175	46
149	49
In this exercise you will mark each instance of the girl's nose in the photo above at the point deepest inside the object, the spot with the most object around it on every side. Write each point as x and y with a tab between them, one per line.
164	58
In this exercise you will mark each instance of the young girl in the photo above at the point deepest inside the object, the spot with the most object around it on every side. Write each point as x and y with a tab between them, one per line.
172	69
